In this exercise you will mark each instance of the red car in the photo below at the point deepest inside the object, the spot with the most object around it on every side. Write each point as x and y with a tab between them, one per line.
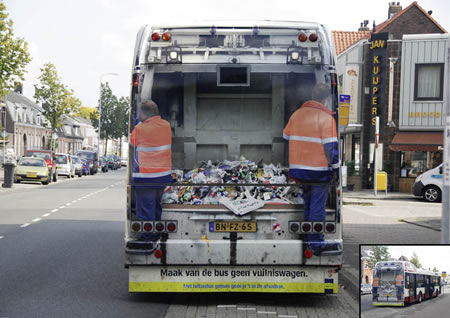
49	157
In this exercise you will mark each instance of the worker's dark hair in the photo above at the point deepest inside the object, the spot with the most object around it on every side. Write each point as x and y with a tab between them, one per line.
149	108
320	92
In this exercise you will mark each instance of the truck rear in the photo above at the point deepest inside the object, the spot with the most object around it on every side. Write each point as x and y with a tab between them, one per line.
232	218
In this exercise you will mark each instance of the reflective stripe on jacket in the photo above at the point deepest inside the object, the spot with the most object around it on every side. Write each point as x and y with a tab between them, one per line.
313	144
153	149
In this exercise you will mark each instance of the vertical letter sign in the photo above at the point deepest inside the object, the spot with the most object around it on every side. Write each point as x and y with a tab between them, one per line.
377	47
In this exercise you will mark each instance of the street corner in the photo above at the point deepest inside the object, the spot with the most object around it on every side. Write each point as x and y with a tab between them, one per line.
433	223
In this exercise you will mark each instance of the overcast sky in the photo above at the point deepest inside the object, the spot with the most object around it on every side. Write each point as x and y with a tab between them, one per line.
87	38
429	256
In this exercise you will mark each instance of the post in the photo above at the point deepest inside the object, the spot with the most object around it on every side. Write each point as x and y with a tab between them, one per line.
445	223
4	132
377	134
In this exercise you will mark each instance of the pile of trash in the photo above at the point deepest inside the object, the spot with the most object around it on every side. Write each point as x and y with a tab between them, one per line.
221	180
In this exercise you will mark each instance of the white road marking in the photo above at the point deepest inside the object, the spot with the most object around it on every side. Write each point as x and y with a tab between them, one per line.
25	225
267	312
36	220
62	207
1	237
54	210
240	308
45	215
68	204
226	306
74	201
286	316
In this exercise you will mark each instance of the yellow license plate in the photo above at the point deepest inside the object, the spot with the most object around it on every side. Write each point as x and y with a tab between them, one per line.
31	175
229	226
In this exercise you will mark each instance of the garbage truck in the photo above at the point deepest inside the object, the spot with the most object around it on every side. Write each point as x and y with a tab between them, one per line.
232	218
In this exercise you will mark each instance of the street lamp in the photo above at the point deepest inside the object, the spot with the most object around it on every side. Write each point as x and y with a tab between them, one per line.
100	109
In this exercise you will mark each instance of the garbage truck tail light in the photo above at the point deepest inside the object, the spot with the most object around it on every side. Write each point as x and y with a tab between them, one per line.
302	37
330	227
166	36
294	227
306	227
171	227
313	37
135	80
318	227
307	253
148	226
136	226
159	227
156	36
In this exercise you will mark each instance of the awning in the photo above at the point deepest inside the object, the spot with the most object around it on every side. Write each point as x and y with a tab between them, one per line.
417	141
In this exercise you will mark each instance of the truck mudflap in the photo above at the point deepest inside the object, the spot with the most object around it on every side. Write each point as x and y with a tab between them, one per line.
267	279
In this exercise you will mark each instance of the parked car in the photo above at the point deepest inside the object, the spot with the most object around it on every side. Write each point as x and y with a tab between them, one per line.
85	167
366	289
32	169
78	166
103	164
429	185
112	163
92	159
49	157
64	166
123	162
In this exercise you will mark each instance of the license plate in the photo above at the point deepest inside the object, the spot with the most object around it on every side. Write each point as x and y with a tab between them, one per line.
31	175
236	226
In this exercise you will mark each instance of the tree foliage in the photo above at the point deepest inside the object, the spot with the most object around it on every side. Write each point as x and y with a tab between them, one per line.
56	99
14	55
85	112
379	254
415	260
114	115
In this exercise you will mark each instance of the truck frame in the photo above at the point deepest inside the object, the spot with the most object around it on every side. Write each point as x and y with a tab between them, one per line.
227	89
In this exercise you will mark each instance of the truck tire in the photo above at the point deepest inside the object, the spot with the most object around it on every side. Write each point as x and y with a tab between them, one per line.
432	194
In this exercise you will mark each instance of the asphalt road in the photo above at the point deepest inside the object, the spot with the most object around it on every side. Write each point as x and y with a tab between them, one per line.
61	249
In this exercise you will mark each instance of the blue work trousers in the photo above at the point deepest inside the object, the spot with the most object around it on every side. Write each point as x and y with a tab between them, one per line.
148	203
315	199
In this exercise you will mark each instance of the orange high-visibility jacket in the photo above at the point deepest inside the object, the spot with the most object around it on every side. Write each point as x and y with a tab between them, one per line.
313	143
153	149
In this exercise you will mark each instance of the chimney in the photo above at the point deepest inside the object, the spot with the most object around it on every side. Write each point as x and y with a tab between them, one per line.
18	89
394	8
364	26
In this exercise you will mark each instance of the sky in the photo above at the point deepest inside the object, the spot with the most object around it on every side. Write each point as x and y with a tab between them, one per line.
429	256
87	38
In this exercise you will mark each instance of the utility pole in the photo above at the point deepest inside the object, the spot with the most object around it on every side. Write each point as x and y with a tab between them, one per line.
445	223
375	149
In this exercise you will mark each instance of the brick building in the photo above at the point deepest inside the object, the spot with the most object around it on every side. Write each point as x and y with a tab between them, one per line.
404	89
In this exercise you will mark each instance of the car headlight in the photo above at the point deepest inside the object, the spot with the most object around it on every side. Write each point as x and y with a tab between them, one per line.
42	173
91	165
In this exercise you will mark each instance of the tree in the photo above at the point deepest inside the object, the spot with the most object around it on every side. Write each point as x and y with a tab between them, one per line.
415	260
121	116
435	270
379	254
108	103
56	99
14	55
85	112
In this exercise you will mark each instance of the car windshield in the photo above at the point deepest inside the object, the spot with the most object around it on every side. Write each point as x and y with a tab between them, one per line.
37	154
86	155
75	160
32	162
61	159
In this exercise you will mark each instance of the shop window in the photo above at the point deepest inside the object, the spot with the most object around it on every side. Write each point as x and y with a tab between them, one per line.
414	163
429	81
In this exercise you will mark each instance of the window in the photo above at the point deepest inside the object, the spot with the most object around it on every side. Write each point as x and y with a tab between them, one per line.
429	81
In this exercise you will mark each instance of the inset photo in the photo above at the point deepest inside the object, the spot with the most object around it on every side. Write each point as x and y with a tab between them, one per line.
404	280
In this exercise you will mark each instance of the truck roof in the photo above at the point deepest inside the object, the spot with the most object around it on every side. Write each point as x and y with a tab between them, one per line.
242	24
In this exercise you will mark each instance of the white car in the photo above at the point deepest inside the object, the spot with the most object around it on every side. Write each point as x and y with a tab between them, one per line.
78	165
429	185
64	166
366	289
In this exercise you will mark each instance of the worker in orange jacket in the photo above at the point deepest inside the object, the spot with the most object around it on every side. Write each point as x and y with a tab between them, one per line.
313	155
152	141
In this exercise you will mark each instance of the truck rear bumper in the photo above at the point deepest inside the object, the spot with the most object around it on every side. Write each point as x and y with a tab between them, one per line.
261	279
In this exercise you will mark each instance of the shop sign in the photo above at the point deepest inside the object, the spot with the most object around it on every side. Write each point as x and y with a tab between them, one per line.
378	45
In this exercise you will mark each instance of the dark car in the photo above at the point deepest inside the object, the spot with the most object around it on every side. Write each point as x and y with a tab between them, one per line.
85	167
113	162
91	157
49	157
103	164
